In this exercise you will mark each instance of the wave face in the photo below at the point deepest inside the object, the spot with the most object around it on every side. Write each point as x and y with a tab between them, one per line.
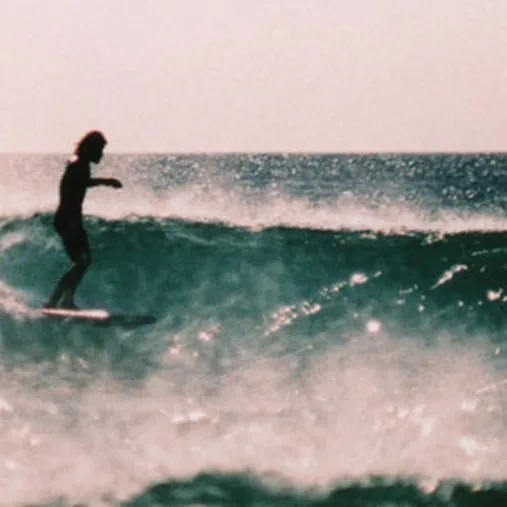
329	330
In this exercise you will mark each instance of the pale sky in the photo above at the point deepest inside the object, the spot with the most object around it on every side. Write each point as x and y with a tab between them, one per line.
254	75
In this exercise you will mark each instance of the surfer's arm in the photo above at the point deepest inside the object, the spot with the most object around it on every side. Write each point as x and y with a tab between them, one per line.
105	182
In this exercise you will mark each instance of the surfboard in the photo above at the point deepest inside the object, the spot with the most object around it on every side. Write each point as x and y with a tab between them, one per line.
98	316
82	313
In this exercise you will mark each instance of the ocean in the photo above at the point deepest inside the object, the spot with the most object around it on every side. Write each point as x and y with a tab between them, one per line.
330	331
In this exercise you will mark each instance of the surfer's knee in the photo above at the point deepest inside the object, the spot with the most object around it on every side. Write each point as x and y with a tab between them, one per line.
84	259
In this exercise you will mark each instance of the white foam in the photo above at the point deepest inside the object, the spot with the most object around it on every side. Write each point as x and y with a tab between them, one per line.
30	185
13	302
372	406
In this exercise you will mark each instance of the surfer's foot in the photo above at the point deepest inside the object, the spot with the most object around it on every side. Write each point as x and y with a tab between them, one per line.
67	301
51	304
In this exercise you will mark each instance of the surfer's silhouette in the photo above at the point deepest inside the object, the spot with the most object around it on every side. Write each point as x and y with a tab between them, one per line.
68	220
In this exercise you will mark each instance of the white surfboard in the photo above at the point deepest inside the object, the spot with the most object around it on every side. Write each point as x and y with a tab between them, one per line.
81	313
99	315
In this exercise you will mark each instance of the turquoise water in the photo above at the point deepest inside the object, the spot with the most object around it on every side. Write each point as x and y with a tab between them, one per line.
330	331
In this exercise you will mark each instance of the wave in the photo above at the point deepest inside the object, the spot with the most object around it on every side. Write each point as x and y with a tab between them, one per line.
383	193
196	269
222	490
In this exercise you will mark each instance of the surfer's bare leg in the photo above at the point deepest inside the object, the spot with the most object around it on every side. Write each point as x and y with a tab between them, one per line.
67	285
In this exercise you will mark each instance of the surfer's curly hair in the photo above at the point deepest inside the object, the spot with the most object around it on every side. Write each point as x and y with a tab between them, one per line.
89	142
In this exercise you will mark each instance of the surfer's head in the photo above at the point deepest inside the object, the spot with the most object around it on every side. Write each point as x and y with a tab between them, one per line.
91	146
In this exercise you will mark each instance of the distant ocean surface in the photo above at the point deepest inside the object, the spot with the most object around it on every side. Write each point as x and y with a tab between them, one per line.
331	331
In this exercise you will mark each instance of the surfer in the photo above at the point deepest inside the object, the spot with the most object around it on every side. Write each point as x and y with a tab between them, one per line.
68	219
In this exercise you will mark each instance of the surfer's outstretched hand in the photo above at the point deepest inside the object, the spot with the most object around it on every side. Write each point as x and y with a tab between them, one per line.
113	182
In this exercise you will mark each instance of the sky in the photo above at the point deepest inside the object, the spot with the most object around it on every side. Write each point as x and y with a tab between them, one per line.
254	75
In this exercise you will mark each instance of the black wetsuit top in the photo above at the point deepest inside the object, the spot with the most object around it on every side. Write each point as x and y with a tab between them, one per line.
68	219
